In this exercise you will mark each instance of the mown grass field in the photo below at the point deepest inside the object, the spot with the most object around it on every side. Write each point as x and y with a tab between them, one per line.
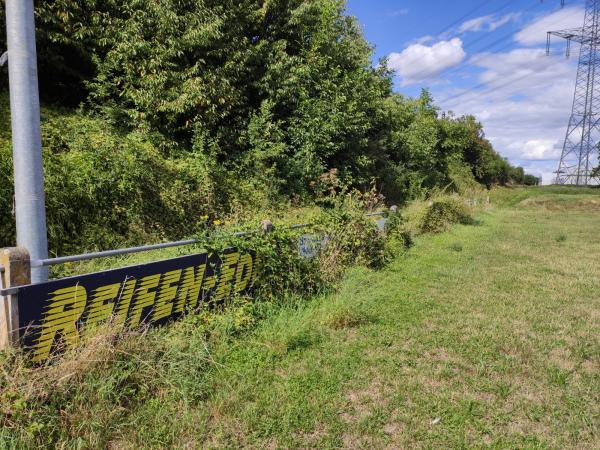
483	336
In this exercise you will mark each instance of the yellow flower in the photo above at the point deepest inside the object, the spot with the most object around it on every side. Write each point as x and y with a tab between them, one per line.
217	222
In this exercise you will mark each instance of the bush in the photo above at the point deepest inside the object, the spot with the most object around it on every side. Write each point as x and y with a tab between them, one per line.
353	237
281	269
106	189
443	212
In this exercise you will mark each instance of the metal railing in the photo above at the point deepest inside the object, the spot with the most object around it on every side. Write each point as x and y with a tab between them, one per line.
145	248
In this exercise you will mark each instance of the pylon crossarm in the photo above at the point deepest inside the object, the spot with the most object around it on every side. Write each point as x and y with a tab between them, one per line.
573	34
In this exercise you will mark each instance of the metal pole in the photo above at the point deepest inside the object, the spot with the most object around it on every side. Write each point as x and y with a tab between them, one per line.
30	208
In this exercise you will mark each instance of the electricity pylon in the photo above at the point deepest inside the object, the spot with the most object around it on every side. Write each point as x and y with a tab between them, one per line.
580	150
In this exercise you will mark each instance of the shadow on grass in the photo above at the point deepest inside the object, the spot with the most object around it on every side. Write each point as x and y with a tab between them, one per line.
472	222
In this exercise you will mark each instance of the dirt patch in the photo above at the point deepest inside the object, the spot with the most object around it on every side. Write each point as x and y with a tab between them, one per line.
314	436
394	427
361	402
351	441
590	367
562	359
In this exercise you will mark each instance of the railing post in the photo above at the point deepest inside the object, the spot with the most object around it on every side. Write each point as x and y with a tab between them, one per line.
266	226
17	272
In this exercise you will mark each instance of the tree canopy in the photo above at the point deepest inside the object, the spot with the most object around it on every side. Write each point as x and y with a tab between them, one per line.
278	92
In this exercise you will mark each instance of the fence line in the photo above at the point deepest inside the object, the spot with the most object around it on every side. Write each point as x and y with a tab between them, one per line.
144	248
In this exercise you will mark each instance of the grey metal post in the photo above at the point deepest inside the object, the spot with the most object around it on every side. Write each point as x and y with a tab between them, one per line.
30	207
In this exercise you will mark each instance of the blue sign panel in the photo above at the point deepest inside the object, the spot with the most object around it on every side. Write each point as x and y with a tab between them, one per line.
55	314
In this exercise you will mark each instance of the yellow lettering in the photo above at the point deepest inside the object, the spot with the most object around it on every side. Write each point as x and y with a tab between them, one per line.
102	304
244	273
124	300
65	308
166	294
255	270
144	297
189	290
227	276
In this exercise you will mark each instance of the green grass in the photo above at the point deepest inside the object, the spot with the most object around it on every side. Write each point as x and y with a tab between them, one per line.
484	336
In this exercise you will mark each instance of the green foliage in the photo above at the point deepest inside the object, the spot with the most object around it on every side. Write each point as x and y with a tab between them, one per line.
190	108
281	269
457	247
531	180
106	189
349	238
443	212
218	382
353	237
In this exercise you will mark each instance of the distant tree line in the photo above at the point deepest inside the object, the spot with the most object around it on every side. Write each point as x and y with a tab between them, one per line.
238	99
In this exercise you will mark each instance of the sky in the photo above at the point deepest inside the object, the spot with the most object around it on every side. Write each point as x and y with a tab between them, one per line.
486	58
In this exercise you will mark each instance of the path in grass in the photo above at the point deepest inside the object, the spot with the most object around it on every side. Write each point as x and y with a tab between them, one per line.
485	335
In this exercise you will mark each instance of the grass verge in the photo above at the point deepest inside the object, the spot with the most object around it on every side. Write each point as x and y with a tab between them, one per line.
485	335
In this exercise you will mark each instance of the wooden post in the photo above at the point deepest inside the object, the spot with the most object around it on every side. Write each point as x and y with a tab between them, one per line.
266	226
17	272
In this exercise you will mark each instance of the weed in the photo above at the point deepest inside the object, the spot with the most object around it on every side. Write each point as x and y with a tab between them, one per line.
347	317
456	247
558	376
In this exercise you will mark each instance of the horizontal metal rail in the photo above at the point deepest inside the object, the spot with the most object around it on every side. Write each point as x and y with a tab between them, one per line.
146	248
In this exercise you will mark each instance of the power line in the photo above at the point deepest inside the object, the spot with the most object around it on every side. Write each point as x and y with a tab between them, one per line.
496	11
533	6
488	91
583	132
463	17
487	47
454	97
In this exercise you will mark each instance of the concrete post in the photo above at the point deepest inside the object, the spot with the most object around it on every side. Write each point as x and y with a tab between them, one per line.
17	272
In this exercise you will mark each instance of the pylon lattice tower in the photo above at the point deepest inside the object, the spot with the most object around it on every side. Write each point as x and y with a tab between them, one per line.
580	151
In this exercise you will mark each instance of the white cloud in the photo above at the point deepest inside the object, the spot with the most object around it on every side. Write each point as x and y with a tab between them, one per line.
487	23
475	24
418	62
524	105
535	32
398	12
523	97
422	40
536	149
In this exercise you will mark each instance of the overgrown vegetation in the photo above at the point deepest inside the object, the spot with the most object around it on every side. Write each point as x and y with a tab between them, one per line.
158	113
116	371
461	345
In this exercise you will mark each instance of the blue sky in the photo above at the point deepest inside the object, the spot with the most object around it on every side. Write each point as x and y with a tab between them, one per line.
487	58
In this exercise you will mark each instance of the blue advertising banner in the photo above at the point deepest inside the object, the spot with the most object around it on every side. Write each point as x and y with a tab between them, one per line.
55	314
